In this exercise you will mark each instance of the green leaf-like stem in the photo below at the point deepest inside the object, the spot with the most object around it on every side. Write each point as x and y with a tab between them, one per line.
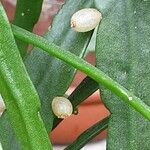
20	97
123	52
89	134
71	59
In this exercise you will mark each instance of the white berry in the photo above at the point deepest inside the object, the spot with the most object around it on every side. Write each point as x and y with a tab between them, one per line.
62	107
2	105
85	19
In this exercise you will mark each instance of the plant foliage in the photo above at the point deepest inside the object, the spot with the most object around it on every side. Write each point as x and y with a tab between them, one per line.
28	85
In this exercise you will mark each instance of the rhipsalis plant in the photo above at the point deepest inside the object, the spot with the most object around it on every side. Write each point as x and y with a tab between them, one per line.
33	85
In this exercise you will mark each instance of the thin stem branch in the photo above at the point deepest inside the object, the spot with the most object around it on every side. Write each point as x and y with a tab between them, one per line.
85	67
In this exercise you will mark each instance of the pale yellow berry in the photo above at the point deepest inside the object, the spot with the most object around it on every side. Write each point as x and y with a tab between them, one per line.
62	107
85	19
2	105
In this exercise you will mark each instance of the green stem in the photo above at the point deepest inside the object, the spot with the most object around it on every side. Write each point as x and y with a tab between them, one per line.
85	67
89	134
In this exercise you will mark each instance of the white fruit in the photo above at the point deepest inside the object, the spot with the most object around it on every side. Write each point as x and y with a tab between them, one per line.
85	19
2	105
62	107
